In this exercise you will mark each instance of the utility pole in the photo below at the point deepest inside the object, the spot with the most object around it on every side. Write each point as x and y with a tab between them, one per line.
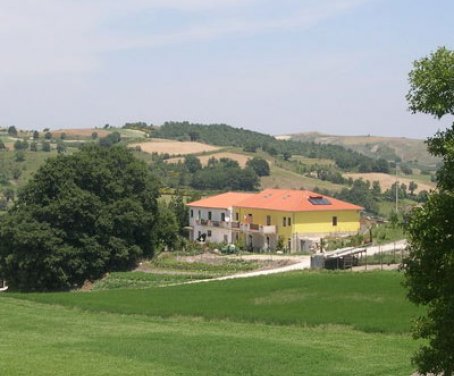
397	191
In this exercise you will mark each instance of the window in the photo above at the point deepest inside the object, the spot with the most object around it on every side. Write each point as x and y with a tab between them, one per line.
192	213
209	233
334	221
209	216
199	215
319	200
284	221
223	217
237	216
268	220
289	221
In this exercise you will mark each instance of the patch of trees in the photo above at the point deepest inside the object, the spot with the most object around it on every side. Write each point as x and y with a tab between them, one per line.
225	135
225	174
111	139
139	125
259	165
80	216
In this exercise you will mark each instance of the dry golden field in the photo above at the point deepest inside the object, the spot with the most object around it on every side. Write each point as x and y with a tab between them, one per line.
386	180
172	147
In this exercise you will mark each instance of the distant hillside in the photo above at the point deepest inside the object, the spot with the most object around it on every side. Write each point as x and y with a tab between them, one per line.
225	135
412	151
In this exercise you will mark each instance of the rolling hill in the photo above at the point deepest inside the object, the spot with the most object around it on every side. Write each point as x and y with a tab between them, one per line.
411	151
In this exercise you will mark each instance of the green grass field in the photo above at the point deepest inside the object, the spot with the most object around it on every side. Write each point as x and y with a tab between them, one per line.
294	324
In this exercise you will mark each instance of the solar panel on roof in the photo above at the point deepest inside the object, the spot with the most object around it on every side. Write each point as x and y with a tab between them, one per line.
319	200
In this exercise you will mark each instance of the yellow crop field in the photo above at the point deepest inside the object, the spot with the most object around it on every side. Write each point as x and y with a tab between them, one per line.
387	180
172	147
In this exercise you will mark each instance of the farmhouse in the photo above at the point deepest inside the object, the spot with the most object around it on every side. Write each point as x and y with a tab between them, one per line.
292	219
211	219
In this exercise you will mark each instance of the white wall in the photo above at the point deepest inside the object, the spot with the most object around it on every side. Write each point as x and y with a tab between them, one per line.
217	233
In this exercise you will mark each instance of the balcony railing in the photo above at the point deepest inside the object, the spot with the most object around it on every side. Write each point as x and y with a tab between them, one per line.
222	224
248	227
254	227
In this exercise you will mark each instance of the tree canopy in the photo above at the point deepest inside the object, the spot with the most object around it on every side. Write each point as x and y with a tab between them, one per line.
80	216
429	270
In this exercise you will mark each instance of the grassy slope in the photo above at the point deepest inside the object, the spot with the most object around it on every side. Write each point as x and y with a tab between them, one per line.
283	178
42	339
372	302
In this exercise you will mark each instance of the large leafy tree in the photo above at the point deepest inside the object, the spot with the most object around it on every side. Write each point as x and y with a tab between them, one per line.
429	271
79	217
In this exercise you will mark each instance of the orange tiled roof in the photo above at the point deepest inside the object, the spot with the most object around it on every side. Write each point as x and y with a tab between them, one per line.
293	201
222	201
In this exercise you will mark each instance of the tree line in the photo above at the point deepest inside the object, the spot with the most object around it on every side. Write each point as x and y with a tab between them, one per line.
225	135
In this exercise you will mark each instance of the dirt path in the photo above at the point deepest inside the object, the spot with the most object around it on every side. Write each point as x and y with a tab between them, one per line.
303	263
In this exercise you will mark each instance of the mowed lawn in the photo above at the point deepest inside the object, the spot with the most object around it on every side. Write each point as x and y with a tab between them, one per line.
300	323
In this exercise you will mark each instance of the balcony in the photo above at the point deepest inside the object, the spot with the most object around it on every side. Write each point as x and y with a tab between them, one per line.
254	227
221	224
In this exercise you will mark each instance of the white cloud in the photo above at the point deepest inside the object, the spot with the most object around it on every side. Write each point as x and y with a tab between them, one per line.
68	36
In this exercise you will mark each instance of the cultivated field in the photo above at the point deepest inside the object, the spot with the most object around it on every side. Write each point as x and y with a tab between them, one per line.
300	323
172	147
240	158
387	180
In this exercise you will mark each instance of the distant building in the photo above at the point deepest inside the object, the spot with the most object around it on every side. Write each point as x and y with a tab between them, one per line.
212	219
292	219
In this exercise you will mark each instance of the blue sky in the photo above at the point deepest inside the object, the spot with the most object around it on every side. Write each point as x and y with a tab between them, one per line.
279	67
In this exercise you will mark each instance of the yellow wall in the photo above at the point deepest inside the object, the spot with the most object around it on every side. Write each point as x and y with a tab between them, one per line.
304	222
321	222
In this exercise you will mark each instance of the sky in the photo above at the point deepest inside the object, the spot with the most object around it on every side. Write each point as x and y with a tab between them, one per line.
279	67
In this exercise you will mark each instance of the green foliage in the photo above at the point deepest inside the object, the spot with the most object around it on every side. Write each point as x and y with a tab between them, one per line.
34	146
360	194
21	145
61	147
429	271
181	212
19	156
192	163
167	231
110	140
94	135
224	135
2	145
412	187
430	280
45	146
79	217
432	85
225	178
12	131
228	266
48	135
259	165
122	280
35	135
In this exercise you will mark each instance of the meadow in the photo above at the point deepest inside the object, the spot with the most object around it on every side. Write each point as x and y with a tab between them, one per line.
303	323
